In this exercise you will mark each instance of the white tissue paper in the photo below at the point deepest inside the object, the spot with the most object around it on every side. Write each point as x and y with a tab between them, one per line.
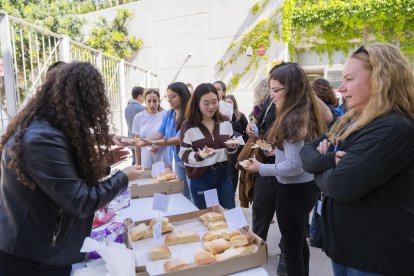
117	260
157	169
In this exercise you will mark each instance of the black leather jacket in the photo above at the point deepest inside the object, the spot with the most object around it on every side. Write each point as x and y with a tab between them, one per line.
49	223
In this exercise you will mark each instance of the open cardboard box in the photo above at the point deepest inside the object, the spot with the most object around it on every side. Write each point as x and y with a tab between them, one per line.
148	186
219	268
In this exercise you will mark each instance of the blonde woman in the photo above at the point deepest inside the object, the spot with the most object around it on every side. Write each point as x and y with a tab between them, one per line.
365	171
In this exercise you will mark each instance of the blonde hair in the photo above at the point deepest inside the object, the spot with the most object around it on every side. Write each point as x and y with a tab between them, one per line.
392	89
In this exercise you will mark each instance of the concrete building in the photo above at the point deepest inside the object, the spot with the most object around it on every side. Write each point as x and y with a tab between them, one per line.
184	40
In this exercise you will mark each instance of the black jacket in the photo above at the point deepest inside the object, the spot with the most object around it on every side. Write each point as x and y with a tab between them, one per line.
48	224
368	209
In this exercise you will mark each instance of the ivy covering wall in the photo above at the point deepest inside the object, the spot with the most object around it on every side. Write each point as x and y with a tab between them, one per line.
325	26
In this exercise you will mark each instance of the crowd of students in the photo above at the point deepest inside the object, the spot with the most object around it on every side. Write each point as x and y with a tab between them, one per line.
357	159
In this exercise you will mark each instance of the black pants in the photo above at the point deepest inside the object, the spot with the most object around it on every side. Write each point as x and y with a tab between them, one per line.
15	266
293	204
264	204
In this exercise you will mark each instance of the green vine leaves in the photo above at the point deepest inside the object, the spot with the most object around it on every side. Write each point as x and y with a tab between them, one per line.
326	26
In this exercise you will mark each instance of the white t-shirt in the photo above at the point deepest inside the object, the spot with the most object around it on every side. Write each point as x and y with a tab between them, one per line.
145	125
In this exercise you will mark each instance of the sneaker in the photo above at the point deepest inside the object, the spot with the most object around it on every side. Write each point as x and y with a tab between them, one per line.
281	268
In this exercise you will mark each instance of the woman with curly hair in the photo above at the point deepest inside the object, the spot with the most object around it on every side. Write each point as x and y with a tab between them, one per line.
54	155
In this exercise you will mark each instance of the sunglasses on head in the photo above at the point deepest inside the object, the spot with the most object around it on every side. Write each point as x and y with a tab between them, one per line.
361	49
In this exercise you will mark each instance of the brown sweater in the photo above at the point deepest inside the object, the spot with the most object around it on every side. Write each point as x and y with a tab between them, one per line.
194	137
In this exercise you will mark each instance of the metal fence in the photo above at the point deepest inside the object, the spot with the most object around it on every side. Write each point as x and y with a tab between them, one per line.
27	51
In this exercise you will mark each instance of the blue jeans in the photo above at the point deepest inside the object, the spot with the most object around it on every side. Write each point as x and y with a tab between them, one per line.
341	270
180	172
214	178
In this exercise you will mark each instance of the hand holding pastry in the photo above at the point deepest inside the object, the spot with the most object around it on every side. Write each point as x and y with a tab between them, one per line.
254	167
206	152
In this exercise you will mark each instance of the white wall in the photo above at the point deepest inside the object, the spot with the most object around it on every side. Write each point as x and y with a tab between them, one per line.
171	29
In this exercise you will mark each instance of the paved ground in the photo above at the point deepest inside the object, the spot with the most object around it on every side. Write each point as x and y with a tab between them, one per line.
320	264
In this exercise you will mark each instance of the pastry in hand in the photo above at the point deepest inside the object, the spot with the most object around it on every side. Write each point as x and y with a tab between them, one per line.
264	145
206	152
246	163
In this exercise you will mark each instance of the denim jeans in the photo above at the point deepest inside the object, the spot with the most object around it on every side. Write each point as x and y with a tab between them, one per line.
180	172
217	178
341	270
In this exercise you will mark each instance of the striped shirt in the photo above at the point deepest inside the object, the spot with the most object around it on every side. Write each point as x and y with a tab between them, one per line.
194	137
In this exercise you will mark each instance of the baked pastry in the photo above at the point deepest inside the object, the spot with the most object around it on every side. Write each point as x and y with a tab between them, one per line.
166	177
216	246
181	237
160	252
206	152
247	249
228	254
138	232
217	225
204	258
241	240
264	145
176	265
247	163
212	235
210	217
227	234
164	221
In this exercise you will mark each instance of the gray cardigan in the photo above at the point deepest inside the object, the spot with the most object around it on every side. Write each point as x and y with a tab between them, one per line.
288	165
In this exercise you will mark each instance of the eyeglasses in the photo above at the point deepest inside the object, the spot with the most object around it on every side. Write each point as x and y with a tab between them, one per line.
170	98
361	49
275	90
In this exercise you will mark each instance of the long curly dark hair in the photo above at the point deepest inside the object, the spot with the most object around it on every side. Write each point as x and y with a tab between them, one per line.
73	99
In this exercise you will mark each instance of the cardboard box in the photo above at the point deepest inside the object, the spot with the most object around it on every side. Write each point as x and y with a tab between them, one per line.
148	186
219	268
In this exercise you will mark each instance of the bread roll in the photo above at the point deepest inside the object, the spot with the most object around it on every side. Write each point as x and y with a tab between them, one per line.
212	235
227	234
204	258
241	240
176	265
216	246
247	249
264	145
170	176
181	237
164	229
138	232
160	252
217	225
164	221
228	254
